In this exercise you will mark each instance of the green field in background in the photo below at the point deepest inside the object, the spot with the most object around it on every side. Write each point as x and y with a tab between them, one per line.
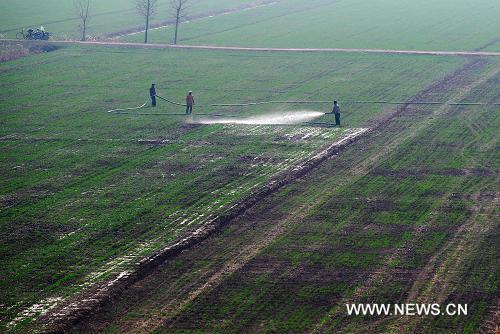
58	17
383	24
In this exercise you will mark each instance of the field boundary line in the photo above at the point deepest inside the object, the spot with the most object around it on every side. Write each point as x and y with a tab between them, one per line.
263	49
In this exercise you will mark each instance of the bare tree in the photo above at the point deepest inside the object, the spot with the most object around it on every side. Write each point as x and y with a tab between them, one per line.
147	9
179	7
82	11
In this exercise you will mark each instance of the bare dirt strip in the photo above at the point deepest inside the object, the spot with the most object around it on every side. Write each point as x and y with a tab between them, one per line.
253	49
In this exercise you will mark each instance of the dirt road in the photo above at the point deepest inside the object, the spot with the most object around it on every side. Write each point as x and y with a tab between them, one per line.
254	49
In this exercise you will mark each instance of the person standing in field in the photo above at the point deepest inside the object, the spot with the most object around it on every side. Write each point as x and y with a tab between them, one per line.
152	94
336	112
189	103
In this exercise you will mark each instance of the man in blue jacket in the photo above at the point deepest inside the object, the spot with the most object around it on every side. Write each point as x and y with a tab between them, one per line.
336	111
152	94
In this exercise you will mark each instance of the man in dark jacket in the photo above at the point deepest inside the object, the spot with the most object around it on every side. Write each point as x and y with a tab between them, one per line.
336	111
189	103
152	94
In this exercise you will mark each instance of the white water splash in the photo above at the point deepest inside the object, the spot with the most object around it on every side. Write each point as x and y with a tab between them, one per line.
285	118
36	310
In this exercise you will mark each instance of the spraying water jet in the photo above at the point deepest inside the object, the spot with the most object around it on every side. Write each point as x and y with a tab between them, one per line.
286	118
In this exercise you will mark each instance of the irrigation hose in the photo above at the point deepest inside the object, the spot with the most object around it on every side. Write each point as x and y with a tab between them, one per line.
124	110
329	102
171	102
127	110
352	102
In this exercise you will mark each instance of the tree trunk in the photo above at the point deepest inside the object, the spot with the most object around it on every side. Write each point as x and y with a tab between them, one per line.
147	23
84	30
176	26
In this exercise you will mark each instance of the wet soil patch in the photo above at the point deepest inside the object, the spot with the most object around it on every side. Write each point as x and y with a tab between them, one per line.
258	159
153	142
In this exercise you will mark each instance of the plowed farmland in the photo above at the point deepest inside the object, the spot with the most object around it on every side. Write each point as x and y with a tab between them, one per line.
256	213
406	215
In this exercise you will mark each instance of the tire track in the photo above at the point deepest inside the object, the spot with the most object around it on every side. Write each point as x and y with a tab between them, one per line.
449	262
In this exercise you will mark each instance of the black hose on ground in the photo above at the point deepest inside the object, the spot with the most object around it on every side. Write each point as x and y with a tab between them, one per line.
126	110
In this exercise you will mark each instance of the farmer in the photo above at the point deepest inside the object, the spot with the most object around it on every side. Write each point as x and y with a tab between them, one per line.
336	111
152	94
189	103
